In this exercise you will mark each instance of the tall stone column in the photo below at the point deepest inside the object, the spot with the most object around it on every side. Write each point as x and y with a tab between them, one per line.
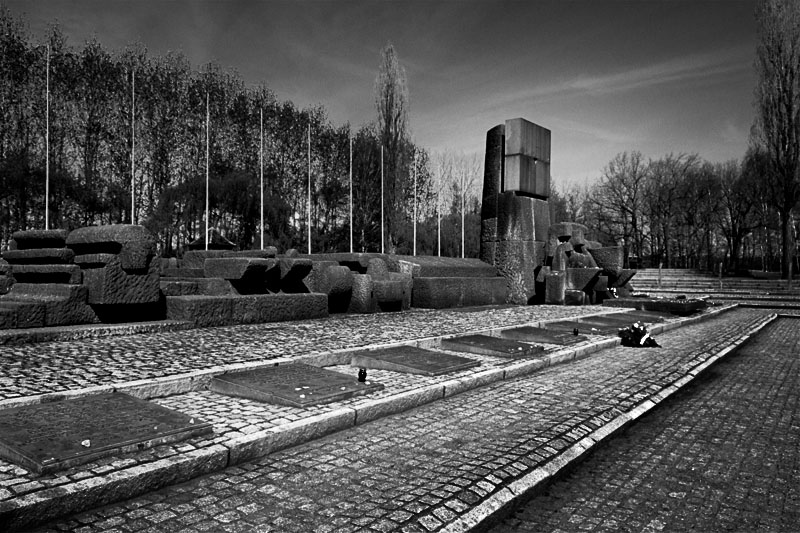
514	213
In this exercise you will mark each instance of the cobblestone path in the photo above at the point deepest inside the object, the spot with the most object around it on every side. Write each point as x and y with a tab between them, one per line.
423	469
49	367
721	455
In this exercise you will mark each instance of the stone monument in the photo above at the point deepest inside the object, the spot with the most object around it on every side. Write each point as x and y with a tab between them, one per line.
514	213
541	262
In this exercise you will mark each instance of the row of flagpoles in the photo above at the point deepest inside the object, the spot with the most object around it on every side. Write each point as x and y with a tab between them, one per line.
261	173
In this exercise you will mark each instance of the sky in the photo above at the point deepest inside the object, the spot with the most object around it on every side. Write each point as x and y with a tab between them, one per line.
657	76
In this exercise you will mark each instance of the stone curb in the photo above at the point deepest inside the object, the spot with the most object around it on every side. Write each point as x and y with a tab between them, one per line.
10	337
48	504
503	501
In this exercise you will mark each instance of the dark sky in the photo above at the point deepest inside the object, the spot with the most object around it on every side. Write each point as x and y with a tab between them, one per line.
658	76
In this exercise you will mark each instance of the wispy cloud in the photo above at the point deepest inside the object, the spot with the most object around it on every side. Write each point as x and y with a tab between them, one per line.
691	68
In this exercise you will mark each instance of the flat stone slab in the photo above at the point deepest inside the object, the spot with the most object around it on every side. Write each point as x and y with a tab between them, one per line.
295	385
586	328
488	345
534	334
412	360
646	316
663	305
39	256
617	319
69	274
53	436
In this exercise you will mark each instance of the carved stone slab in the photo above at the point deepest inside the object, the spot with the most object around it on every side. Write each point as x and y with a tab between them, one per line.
412	360
296	385
487	345
53	436
534	334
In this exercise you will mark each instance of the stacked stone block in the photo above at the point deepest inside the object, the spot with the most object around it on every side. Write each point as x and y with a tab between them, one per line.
527	158
118	262
445	282
47	289
226	286
6	280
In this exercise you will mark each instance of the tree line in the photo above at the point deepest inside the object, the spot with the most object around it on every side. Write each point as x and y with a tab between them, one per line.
95	123
682	211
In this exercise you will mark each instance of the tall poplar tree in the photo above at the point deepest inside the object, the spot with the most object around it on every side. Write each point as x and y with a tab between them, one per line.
777	126
391	101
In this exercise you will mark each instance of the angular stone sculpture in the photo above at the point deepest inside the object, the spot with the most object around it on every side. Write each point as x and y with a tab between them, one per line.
248	275
118	264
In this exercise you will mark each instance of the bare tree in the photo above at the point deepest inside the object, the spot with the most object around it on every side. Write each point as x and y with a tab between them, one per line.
777	125
618	200
738	200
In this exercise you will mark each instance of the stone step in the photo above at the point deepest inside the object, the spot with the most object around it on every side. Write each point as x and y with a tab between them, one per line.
39	238
225	310
40	256
445	292
68	274
27	314
446	267
178	286
63	304
183	273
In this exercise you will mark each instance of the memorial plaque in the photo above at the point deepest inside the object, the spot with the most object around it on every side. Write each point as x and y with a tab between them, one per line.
53	436
295	385
487	345
534	334
412	360
585	328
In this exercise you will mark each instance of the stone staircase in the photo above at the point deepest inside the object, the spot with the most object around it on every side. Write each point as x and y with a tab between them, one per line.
689	281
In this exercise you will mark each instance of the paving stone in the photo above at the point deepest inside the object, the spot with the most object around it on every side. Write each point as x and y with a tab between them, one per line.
718	456
432	467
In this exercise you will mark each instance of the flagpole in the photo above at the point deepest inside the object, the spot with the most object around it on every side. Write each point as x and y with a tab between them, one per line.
261	171
208	120
351	192
309	185
382	232
463	194
47	146
415	203
133	141
438	208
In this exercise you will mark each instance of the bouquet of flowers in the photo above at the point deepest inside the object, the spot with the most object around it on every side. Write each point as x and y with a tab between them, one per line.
636	335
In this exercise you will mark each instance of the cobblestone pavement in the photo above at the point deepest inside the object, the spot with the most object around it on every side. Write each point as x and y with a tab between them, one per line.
424	469
69	365
721	455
